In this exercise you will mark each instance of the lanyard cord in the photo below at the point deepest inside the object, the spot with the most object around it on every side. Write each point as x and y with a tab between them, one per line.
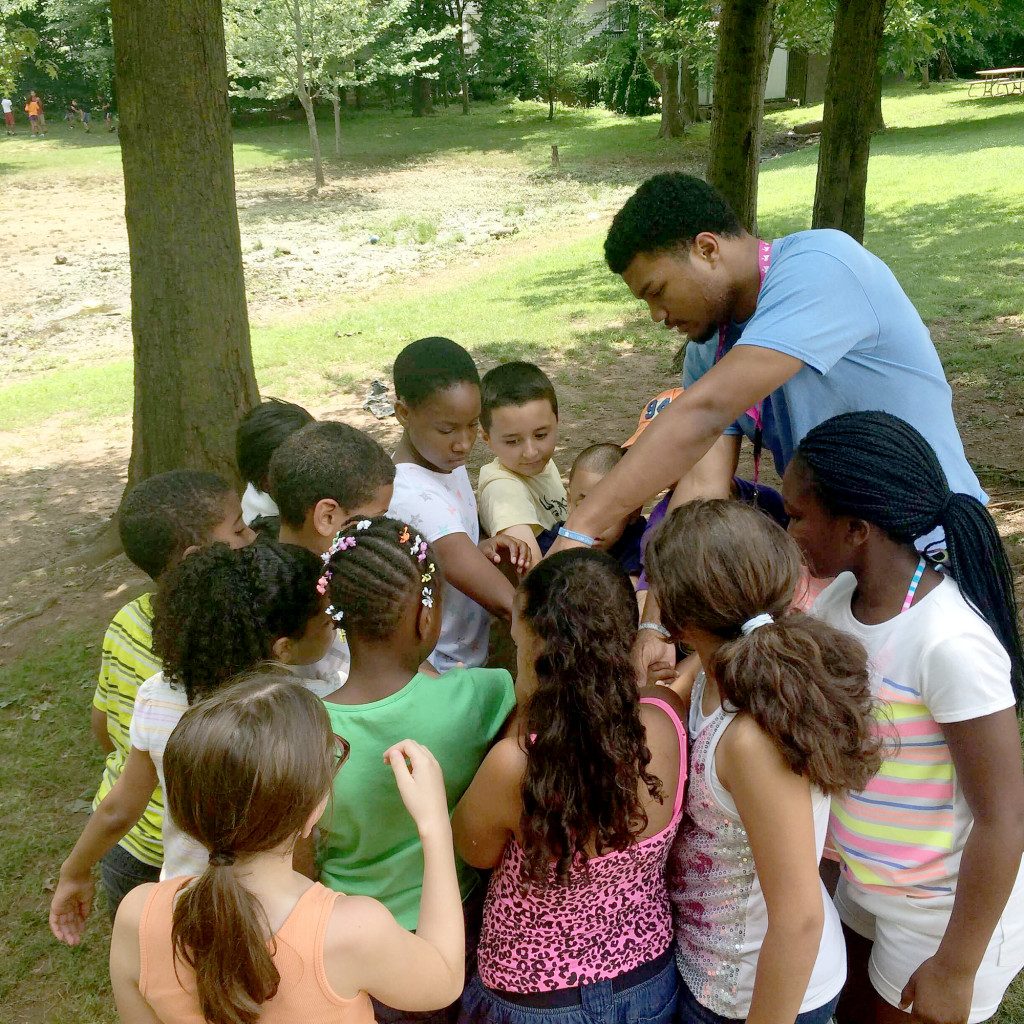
912	589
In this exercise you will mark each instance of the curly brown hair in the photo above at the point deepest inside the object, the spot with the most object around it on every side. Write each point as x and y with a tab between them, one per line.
588	755
715	564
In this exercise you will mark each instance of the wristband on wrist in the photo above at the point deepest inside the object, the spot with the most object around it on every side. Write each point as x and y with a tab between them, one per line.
657	627
580	538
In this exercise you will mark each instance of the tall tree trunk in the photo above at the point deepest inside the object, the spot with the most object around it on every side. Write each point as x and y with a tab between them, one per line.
926	80
689	100
463	72
673	124
193	365
551	102
850	94
741	72
302	92
421	96
336	103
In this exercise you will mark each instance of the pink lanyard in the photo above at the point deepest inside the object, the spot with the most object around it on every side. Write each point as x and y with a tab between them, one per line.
764	261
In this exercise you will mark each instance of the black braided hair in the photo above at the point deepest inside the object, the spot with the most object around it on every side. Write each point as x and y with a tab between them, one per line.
875	466
373	581
220	610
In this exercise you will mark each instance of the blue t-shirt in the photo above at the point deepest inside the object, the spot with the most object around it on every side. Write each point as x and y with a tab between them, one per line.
837	308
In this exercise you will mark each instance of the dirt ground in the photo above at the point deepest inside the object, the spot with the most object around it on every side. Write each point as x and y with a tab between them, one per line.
62	485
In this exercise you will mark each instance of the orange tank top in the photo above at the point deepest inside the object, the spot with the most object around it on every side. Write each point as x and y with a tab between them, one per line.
304	993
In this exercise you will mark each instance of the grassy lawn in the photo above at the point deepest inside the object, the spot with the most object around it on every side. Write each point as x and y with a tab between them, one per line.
945	206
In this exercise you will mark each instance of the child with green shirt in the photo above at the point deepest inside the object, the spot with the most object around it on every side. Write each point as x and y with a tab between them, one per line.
161	519
385	585
520	493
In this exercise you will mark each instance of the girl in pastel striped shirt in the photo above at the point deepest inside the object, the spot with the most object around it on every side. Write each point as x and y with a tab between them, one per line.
931	892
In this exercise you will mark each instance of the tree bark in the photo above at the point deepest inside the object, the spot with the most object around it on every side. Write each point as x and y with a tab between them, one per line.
926	80
877	120
336	103
850	90
304	98
667	76
741	72
421	96
551	103
689	100
193	364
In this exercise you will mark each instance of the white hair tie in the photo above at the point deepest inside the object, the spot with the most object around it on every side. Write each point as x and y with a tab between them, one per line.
764	619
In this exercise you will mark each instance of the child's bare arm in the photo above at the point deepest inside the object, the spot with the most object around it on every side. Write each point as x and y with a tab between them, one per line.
468	569
125	960
117	812
524	533
98	726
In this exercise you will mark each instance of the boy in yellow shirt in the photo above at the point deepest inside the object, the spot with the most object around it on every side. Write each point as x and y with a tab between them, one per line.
520	494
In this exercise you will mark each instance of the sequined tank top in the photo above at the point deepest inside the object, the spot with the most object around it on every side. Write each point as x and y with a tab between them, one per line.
605	921
718	908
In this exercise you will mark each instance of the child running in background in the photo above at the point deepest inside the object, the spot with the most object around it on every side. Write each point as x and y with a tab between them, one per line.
218	613
780	719
931	893
520	493
160	521
258	436
438	404
576	811
249	772
385	582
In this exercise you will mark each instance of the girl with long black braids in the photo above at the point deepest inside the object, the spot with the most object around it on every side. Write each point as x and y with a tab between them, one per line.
931	892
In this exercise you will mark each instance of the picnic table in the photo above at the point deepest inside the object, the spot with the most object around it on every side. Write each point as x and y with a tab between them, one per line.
1009	80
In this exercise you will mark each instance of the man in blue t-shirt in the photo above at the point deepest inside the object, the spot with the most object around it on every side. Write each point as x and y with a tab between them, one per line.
799	329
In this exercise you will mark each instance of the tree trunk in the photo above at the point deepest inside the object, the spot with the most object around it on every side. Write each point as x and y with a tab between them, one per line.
877	120
672	123
741	72
463	73
925	77
336	103
303	95
421	96
849	114
551	103
689	100
193	365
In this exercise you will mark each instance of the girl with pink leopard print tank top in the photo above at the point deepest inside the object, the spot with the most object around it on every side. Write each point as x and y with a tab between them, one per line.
576	810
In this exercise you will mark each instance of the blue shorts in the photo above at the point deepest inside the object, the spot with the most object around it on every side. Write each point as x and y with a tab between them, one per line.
691	1012
652	1001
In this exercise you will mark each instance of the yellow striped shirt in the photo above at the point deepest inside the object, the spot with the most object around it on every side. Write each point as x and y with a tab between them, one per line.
128	661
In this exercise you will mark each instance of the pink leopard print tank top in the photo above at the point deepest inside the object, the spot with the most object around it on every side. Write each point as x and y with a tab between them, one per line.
604	922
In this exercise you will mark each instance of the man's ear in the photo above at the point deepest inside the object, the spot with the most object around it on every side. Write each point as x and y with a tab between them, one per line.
326	517
706	247
401	412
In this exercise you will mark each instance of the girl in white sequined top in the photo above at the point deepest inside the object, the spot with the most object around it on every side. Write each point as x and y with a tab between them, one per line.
779	720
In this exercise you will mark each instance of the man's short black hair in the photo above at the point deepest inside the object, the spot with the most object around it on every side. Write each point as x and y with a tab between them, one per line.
598	458
262	429
431	365
514	384
666	213
326	459
164	514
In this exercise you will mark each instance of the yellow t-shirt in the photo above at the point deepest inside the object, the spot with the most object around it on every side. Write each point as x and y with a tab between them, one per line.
508	499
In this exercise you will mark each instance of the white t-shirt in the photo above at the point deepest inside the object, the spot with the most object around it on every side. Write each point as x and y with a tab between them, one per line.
440	504
7	105
937	662
257	503
158	709
330	673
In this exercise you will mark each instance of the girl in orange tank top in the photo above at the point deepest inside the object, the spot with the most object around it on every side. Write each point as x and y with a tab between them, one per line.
248	774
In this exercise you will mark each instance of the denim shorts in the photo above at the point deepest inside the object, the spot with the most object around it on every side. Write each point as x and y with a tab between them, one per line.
120	872
691	1012
650	1002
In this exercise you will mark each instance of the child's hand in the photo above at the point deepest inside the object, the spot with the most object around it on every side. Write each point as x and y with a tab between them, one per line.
420	784
939	995
70	907
518	552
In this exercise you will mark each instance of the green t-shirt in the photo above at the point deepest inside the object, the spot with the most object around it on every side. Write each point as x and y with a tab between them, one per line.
373	848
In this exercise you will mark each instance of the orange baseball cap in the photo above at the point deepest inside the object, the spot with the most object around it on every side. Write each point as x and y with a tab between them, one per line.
651	409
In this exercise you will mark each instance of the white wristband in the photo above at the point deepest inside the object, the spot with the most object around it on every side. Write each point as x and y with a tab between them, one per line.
657	627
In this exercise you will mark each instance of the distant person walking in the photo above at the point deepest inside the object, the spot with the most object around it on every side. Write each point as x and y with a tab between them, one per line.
33	95
32	108
83	113
73	114
8	108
